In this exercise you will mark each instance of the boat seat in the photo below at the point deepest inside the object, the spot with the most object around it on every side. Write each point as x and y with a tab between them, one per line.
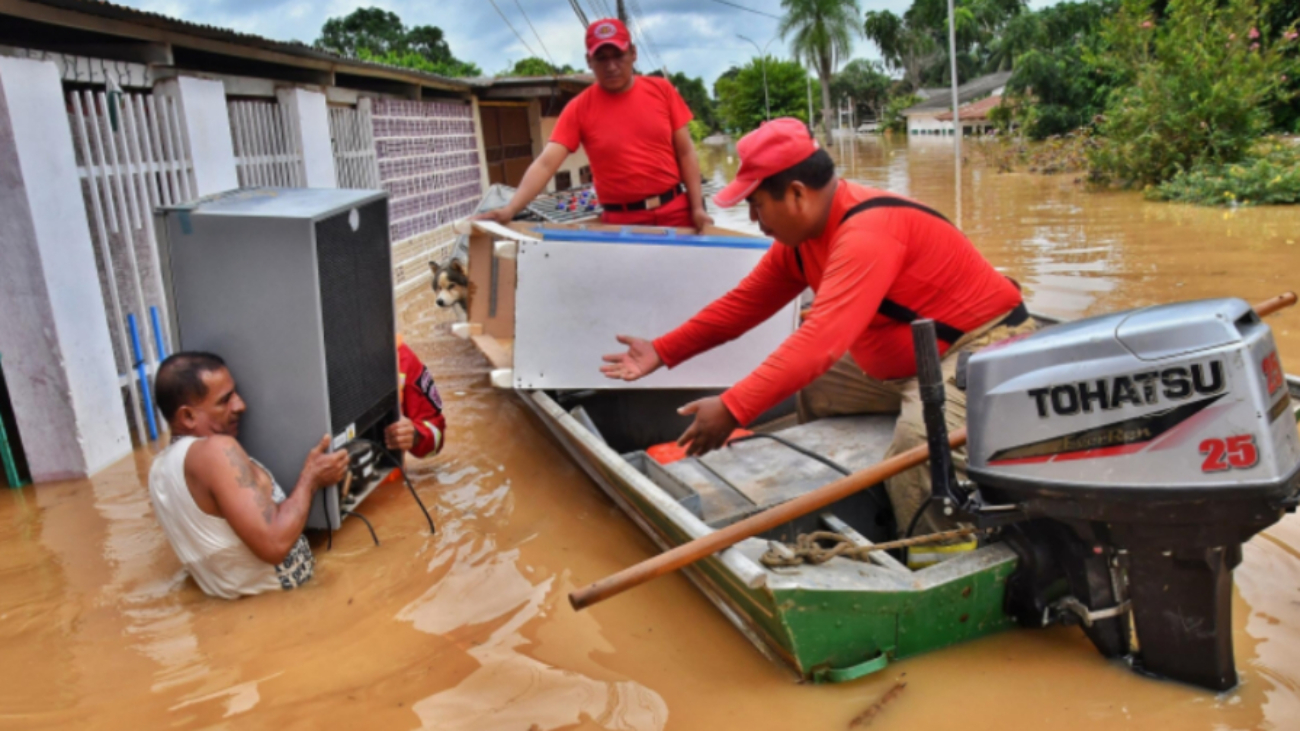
759	473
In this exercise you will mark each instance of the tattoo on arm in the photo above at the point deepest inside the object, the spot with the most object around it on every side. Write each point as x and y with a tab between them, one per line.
244	476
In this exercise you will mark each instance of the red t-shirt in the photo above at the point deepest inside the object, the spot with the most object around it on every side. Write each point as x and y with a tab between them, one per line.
628	137
913	258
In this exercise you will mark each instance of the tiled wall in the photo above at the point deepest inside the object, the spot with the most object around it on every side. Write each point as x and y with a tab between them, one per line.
428	163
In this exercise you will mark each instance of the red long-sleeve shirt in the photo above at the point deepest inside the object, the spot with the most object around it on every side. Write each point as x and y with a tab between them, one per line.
421	403
915	259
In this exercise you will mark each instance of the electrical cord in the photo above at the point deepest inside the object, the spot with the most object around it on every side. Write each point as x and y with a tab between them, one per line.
911	526
398	463
355	514
916	517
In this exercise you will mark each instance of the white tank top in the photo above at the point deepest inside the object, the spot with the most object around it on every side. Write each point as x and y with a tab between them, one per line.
221	564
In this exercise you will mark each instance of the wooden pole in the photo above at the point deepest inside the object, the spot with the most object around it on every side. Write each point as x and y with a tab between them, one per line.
692	551
1280	302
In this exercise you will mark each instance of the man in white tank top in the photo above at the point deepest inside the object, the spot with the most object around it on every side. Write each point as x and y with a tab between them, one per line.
230	524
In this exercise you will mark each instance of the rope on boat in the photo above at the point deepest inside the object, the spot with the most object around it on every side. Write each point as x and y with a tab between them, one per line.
808	547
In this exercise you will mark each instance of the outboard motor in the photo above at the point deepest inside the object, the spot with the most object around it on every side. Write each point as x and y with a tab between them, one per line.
1131	455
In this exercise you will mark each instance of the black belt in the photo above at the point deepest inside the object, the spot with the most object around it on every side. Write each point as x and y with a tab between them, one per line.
906	315
649	204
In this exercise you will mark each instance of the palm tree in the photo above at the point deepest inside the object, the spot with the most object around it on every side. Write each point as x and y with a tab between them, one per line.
822	35
903	46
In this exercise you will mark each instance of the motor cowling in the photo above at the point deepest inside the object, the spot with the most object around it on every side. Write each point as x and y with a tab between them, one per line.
1144	447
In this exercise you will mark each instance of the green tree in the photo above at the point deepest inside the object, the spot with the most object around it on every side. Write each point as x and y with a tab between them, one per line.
373	34
1202	83
866	84
917	42
376	30
696	96
730	73
740	96
892	117
821	33
904	48
534	66
454	68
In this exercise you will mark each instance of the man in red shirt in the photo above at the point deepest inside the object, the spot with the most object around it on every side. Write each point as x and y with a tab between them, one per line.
876	262
634	129
422	426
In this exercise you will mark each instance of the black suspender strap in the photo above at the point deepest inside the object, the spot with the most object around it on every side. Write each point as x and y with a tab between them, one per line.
889	308
885	201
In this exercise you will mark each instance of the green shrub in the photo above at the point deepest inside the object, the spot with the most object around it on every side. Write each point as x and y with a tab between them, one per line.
1056	154
892	118
1203	80
1269	175
698	130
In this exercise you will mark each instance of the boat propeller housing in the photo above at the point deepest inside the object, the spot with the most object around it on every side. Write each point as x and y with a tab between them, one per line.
1127	458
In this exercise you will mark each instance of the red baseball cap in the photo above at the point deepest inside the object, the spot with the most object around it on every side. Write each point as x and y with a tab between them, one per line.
607	32
775	146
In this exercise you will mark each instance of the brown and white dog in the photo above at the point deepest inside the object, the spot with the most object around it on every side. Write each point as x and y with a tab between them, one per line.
451	284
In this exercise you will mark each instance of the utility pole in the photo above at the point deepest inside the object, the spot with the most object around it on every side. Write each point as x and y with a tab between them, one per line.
812	123
956	118
582	17
622	12
762	56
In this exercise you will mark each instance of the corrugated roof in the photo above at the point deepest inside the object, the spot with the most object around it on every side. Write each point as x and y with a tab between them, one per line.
100	8
967	92
974	110
587	79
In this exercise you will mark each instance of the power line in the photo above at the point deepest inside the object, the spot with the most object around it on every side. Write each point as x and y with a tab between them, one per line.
554	68
599	8
582	16
635	13
748	10
531	52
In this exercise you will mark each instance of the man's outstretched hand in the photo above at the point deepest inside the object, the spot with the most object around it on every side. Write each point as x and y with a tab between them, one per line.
639	361
712	427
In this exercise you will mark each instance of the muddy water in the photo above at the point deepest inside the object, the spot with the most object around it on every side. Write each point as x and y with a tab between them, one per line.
470	629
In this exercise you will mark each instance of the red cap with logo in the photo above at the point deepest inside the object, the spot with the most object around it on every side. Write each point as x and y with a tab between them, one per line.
775	146
607	32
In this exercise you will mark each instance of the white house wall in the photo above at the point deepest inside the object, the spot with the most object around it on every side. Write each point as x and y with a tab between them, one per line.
56	351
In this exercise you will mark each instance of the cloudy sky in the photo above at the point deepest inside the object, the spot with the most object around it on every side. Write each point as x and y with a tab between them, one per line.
694	36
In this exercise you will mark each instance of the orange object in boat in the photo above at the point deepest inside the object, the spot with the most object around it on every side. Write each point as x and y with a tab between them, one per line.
669	452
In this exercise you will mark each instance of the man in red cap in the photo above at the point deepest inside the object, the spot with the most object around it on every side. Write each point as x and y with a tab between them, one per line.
875	261
634	129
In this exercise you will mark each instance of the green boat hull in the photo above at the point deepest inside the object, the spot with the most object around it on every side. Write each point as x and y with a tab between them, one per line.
829	623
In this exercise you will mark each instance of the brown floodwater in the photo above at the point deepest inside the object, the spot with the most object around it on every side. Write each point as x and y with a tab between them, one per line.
471	629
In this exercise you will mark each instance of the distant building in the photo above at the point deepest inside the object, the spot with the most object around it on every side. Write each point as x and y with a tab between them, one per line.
518	114
975	116
927	117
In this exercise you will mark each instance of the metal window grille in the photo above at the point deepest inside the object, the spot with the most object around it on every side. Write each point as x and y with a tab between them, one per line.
132	158
352	134
267	152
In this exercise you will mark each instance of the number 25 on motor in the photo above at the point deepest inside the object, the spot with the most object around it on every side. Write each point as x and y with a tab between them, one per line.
1237	453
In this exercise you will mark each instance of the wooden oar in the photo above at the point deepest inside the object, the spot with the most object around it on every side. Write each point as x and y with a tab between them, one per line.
692	551
1280	302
